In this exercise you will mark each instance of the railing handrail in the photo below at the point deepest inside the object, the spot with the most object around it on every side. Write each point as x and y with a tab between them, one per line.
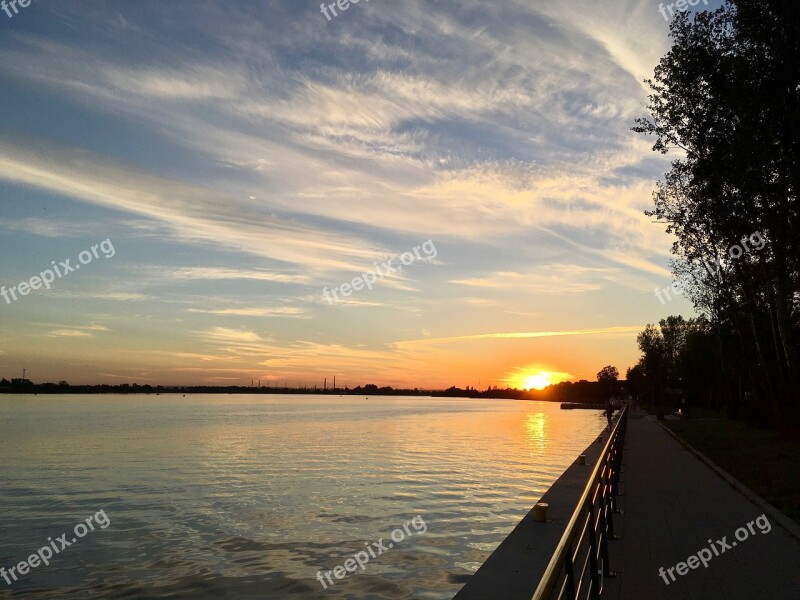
553	570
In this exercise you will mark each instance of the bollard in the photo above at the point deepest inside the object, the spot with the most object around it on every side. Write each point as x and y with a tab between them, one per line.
540	512
582	459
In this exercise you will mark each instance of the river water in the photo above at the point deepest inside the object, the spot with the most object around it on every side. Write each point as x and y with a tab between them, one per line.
250	496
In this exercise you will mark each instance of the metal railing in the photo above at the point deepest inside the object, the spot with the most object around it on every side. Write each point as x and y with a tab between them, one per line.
580	562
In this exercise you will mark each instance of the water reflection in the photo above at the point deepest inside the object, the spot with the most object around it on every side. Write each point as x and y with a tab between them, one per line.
536	425
249	496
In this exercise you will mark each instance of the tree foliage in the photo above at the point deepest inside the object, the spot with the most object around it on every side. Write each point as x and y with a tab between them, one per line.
608	373
726	101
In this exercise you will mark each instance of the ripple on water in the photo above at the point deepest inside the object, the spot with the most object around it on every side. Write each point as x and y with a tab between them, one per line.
249	496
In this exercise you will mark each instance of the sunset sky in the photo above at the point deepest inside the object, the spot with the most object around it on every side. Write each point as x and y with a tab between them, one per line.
243	156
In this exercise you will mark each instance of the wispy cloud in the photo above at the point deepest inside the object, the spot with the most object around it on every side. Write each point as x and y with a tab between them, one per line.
628	330
554	279
277	311
223	273
69	333
237	342
49	227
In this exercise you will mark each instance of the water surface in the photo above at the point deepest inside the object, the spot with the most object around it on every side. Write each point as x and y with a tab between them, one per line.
248	496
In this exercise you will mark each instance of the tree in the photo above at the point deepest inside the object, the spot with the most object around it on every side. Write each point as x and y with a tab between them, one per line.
636	381
609	374
651	345
726	97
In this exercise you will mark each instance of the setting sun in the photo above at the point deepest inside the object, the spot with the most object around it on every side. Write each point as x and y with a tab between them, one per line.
535	377
539	381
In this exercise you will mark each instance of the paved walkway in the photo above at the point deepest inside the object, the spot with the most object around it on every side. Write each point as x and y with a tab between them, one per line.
672	505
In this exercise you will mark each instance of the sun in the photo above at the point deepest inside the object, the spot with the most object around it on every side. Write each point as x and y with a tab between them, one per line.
537	381
535	377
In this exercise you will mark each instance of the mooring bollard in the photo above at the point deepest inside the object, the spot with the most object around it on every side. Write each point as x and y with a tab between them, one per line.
582	459
540	512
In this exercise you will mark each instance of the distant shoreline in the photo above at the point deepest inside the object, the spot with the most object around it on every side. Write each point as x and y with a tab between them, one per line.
583	392
194	390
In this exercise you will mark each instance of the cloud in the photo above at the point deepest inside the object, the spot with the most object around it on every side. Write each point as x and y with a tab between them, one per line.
191	356
418	136
234	336
518	335
352	303
233	274
101	294
121	23
194	214
76	330
278	311
555	279
237	342
199	83
69	333
48	228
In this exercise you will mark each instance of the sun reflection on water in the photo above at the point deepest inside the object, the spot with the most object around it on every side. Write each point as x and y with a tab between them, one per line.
536	431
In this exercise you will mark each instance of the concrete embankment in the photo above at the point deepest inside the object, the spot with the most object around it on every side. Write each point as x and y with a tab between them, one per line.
514	569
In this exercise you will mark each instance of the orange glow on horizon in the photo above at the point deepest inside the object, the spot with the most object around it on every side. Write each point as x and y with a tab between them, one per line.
535	378
537	382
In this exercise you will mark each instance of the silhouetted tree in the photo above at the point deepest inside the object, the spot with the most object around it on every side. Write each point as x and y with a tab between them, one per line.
608	374
636	381
727	97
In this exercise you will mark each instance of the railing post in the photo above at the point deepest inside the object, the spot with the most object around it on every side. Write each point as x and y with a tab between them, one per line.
569	573
605	532
594	568
617	459
611	503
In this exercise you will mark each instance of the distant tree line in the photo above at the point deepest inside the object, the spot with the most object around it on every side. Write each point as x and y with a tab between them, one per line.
726	97
580	392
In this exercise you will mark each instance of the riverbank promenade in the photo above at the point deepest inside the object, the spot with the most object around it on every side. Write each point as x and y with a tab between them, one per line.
672	504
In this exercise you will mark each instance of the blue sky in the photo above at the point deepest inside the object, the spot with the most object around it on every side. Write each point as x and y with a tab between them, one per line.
242	156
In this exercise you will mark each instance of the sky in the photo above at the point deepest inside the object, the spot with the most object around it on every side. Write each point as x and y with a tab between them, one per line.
233	163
